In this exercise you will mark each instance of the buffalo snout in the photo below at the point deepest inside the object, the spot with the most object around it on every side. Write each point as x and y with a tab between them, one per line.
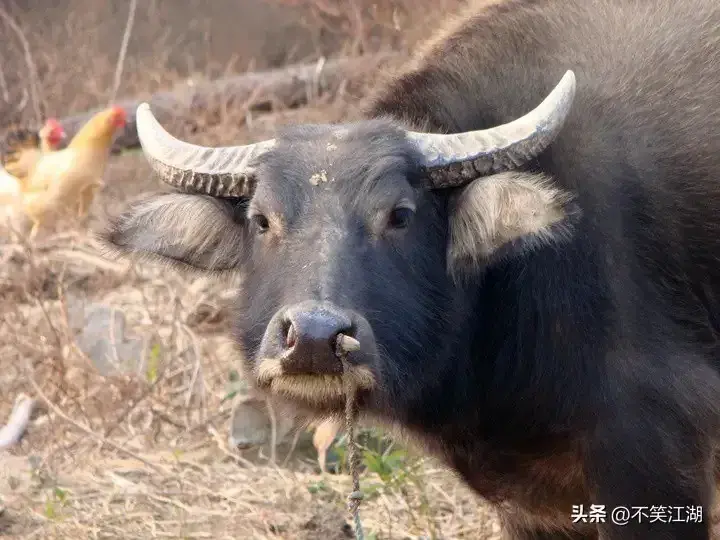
300	351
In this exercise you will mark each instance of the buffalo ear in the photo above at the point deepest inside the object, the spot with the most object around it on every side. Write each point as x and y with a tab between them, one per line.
194	231
505	214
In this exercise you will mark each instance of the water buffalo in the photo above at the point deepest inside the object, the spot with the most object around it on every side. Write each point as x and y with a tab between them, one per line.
523	236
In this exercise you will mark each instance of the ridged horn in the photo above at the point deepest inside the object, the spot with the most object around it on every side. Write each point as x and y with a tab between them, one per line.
220	172
455	159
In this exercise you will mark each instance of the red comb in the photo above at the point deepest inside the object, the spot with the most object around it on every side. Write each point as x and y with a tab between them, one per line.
119	114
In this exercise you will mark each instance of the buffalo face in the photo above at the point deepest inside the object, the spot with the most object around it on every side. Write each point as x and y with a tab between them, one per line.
346	243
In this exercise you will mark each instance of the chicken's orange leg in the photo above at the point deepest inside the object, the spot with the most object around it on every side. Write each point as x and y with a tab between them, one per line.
85	200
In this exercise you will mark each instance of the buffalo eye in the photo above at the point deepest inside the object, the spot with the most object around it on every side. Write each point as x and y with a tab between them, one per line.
400	217
261	222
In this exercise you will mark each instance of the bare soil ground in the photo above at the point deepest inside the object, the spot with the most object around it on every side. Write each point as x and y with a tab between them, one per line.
144	453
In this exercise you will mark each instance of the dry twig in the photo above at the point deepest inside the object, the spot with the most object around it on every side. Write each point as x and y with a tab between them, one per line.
123	51
83	428
288	86
32	70
3	83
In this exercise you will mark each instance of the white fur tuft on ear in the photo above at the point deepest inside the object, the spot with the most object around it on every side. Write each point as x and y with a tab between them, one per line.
494	212
191	230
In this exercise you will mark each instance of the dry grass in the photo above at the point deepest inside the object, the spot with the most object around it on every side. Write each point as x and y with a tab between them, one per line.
143	453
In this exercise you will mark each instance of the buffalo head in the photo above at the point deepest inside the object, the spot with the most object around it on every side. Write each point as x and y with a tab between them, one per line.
362	234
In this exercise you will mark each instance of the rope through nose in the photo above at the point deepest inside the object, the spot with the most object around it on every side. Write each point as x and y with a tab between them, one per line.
344	345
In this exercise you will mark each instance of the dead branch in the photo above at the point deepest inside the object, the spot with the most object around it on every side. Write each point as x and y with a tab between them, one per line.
290	86
123	50
3	83
32	70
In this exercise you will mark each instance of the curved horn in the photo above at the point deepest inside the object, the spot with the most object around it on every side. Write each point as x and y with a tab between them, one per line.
220	172
455	159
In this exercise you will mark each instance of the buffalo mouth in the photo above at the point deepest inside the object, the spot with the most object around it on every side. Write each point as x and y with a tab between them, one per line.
316	353
316	389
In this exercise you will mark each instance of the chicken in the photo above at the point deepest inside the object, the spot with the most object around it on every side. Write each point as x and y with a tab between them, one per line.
72	175
10	197
22	147
19	153
10	190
